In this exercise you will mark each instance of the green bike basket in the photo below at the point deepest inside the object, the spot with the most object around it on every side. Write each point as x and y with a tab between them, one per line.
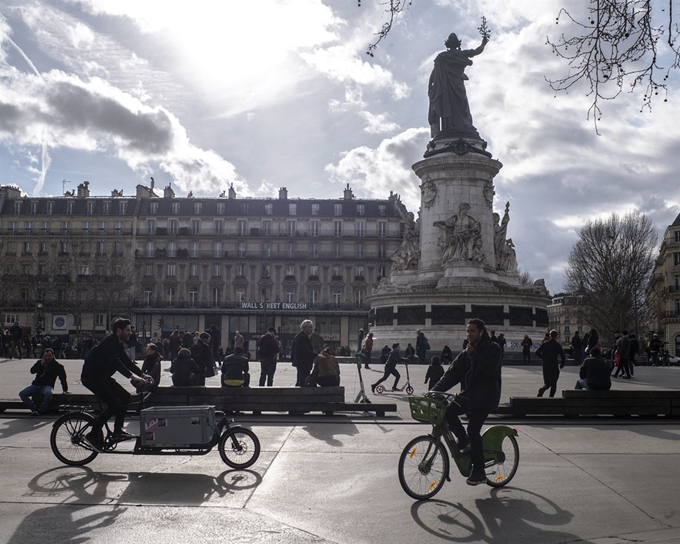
427	409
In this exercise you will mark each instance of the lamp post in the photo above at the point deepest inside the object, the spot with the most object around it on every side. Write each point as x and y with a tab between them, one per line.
264	307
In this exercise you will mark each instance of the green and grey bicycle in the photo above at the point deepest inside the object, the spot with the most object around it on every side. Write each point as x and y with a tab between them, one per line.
424	464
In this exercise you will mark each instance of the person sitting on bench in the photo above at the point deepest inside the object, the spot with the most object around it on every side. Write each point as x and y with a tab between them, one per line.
594	373
185	371
326	371
235	370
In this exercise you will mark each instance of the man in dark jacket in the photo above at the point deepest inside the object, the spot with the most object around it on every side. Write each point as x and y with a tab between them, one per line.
235	369
549	351
202	355
422	345
577	347
594	373
478	370
269	349
47	371
623	351
526	349
103	361
17	334
302	353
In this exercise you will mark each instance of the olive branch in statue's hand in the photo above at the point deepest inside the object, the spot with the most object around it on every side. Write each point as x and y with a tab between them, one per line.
484	30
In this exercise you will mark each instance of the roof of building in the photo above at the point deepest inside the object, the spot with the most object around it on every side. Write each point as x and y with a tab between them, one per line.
676	223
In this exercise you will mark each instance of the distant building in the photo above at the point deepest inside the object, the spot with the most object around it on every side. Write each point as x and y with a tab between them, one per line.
663	291
566	315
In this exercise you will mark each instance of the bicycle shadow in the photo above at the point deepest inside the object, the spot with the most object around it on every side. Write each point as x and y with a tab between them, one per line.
509	516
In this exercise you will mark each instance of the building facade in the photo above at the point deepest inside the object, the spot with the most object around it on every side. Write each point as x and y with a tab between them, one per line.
72	263
567	316
663	291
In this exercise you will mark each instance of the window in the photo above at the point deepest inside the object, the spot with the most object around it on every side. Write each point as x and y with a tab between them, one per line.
45	228
290	250
292	209
172	249
361	209
291	226
42	271
337	250
175	208
89	207
28	227
86	227
220	208
34	207
170	295
382	251
122	207
241	270
100	270
266	249
290	270
43	248
11	248
194	249
313	295
148	270
243	208
171	270
240	296
266	271
151	226
361	228
676	259
16	209
193	270
382	229
26	269
315	209
337	297
49	206
360	251
64	227
150	249
118	226
193	297
359	297
241	249
147	297
269	209
314	270
153	208
314	249
174	229
118	248
382	271
267	227
219	226
12	227
106	207
337	270
216	296
101	248
102	226
337	209
99	320
359	271
314	228
217	270
84	270
677	306
242	227
290	295
217	249
337	228
198	208
69	207
63	246
195	226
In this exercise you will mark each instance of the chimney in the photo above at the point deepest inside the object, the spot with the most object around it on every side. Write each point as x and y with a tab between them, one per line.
348	195
232	192
84	189
283	193
153	183
168	192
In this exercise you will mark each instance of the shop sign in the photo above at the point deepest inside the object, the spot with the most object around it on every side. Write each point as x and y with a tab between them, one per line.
274	305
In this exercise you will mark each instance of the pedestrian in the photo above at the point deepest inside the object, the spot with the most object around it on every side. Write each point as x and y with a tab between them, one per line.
434	372
655	347
494	338
360	338
447	355
269	349
384	354
215	340
203	357
17	335
132	345
47	370
593	341
549	351
623	353
632	359
317	341
410	353
391	368
526	349
188	340
502	342
326	371
239	341
302	354
594	373
422	346
367	349
175	344
185	372
151	367
577	348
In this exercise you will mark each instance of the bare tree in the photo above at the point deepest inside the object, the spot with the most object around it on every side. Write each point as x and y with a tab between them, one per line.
609	266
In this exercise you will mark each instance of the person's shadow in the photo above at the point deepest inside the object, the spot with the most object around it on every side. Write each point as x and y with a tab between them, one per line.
12	427
509	516
327	432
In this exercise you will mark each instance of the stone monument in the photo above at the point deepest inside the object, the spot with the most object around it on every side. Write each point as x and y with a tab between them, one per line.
455	261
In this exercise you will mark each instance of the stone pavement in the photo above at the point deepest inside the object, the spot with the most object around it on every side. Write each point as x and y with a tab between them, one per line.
334	480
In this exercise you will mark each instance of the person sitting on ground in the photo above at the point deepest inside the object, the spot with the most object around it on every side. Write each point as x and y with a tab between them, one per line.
594	373
185	371
447	355
235	369
410	353
47	370
326	371
152	368
434	372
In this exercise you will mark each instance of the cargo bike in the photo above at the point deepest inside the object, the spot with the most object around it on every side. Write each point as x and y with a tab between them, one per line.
163	430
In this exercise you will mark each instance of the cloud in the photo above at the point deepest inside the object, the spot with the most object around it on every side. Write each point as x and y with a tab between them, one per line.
378	124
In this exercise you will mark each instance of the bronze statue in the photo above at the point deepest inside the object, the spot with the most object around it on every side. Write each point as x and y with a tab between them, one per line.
449	114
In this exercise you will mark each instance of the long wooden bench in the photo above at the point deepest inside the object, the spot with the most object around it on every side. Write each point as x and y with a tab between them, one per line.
588	403
294	400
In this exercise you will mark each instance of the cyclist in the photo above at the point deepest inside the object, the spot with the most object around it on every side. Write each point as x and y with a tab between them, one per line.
101	363
478	370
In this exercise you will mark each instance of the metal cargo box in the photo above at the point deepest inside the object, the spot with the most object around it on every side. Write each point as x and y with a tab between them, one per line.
175	426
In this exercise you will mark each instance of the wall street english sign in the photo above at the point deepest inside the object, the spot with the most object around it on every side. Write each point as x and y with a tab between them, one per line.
274	305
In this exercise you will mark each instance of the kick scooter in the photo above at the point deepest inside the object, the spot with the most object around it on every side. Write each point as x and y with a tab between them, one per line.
380	389
361	396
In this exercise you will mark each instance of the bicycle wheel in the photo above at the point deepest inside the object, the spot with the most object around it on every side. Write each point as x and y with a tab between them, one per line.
239	447
423	467
501	473
66	439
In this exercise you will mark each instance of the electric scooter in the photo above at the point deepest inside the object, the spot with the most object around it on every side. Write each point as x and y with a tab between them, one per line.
380	389
361	396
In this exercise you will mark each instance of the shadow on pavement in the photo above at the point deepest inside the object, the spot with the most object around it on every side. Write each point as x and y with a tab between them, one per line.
327	432
12	427
499	519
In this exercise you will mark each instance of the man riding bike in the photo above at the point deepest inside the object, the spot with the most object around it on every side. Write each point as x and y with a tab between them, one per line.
101	363
478	370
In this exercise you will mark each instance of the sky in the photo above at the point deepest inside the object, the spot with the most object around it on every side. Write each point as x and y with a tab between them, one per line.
264	94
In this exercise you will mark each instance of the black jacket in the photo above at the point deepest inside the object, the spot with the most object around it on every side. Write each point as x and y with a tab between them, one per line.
596	372
479	374
183	369
234	367
48	375
434	374
549	351
303	355
152	367
105	359
203	357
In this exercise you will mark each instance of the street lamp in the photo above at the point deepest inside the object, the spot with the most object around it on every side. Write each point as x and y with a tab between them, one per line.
264	307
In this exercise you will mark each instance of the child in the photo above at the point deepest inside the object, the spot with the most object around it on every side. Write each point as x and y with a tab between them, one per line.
434	372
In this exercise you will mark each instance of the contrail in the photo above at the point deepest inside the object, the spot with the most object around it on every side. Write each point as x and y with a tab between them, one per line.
46	160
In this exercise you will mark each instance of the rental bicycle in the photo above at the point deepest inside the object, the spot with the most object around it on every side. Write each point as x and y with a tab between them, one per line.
424	464
239	446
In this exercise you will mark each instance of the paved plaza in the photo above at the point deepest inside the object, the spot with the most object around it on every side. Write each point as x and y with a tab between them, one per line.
334	480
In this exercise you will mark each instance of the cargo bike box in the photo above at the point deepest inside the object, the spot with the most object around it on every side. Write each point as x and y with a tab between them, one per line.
180	426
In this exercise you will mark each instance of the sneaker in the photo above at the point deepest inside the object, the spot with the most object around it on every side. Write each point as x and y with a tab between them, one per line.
35	413
372	388
94	440
122	435
476	478
463	443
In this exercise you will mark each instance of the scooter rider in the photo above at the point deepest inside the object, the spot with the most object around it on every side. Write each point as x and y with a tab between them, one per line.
478	370
101	363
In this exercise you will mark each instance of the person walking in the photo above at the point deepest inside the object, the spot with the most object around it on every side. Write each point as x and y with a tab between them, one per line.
634	348
175	342
391	368
623	353
422	345
367	349
577	348
302	353
269	349
239	341
17	334
360	339
526	349
317	341
434	372
549	351
502	342
203	357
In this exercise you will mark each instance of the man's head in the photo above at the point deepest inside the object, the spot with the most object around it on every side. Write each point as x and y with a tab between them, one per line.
617	334
395	346
205	337
595	352
625	333
370	335
307	326
151	348
475	329
554	334
48	355
271	330
121	328
238	350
